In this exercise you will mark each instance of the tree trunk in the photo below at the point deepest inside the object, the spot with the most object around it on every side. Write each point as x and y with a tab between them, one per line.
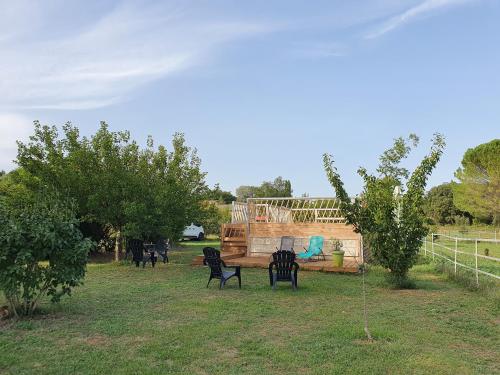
118	245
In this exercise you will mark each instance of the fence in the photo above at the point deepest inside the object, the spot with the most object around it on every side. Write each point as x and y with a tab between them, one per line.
471	233
464	252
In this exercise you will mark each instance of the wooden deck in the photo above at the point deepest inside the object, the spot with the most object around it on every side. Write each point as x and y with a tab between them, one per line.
350	266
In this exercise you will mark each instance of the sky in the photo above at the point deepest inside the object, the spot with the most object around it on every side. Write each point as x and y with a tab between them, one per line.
261	88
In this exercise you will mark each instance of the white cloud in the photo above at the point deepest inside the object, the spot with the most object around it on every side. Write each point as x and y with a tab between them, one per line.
100	62
13	128
54	56
424	8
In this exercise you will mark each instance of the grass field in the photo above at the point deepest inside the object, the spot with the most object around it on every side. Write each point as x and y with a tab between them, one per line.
164	321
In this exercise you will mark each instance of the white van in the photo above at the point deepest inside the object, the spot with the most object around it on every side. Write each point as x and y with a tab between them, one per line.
194	232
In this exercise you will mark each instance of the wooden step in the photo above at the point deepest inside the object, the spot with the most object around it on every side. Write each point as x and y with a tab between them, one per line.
234	243
234	239
232	249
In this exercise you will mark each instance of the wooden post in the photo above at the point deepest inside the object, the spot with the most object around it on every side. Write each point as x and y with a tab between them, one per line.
222	232
477	273
425	246
456	242
250	214
432	245
361	247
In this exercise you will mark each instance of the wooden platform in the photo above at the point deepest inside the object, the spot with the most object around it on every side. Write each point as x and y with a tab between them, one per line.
350	266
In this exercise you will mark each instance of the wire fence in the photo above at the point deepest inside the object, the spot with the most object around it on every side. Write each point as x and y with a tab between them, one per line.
470	233
478	255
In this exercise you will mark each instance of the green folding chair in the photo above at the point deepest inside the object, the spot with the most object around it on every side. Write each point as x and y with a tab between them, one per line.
314	251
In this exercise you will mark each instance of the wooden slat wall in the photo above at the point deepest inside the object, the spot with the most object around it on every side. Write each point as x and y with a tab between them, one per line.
265	237
327	230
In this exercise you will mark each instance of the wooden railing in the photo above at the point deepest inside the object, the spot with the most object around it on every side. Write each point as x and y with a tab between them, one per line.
239	213
233	232
294	210
234	238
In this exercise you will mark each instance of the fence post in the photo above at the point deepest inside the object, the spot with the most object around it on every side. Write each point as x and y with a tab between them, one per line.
425	246
477	273
432	245
456	242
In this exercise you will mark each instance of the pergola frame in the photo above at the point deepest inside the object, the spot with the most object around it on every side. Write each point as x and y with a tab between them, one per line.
287	210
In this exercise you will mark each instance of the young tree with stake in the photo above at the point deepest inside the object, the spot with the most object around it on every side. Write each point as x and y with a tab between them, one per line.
394	239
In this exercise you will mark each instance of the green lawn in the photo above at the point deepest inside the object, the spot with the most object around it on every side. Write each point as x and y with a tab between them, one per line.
164	321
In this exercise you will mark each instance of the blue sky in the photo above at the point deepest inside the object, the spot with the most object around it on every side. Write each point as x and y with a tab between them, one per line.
261	88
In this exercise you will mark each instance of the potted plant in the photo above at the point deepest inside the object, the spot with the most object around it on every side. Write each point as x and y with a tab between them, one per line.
337	254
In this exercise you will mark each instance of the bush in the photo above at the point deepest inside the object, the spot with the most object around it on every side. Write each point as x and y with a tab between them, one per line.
42	251
461	220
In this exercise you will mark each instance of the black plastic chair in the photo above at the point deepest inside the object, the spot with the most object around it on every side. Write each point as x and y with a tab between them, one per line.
150	255
136	247
283	268
214	261
287	243
162	247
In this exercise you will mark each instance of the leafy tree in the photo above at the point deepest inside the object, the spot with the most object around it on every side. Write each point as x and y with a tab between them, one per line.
439	207
392	224
246	191
219	195
186	187
11	187
142	193
277	188
42	251
478	190
212	216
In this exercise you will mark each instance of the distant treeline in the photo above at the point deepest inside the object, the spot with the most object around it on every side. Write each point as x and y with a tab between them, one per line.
475	196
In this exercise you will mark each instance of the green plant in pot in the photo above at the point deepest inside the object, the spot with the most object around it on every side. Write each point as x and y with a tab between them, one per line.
338	254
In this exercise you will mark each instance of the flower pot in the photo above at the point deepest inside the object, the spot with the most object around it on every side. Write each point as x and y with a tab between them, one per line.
338	258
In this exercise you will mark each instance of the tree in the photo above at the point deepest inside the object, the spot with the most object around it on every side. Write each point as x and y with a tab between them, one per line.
268	189
439	207
11	187
219	195
478	189
212	216
392	224
42	251
170	186
277	188
246	191
142	193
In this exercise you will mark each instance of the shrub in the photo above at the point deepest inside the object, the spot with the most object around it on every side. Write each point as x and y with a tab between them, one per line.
42	251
